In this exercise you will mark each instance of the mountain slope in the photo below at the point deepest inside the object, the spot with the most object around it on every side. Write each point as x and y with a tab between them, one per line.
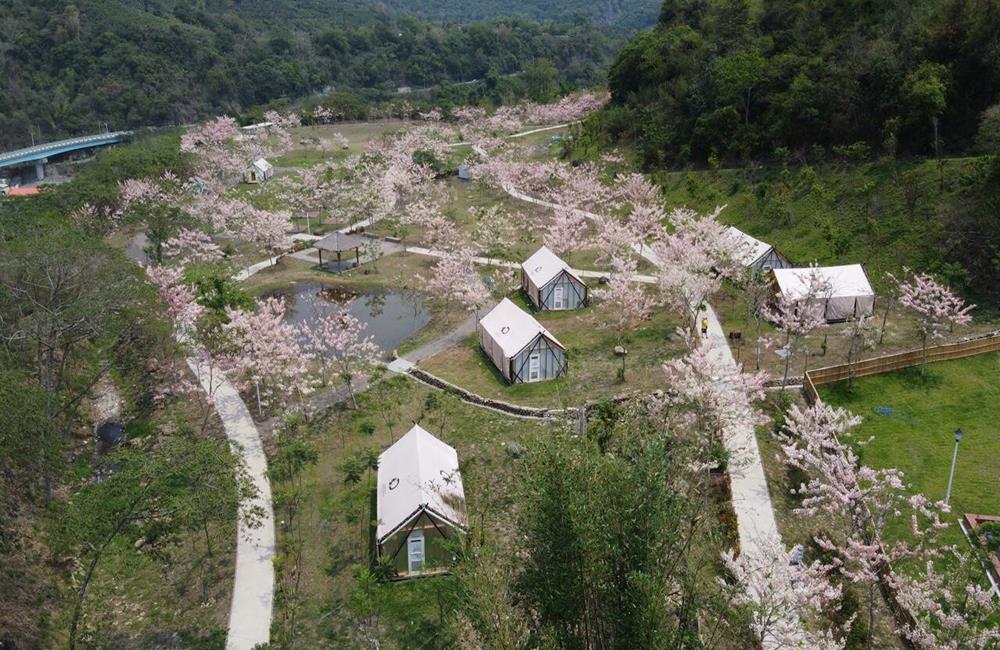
627	14
67	68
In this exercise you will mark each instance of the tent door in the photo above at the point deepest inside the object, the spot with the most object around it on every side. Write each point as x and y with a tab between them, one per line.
415	551
557	297
534	366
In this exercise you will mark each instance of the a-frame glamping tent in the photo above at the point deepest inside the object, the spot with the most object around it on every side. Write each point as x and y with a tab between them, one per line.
550	283
758	254
421	504
519	346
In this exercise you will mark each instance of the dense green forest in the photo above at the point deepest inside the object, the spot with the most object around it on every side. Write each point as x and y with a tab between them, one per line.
628	14
737	79
67	68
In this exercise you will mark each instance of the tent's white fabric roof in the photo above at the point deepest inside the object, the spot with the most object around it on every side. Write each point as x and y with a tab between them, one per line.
513	328
753	248
419	470
545	265
847	280
263	165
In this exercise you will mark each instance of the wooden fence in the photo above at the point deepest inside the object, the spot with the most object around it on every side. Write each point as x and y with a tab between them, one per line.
890	362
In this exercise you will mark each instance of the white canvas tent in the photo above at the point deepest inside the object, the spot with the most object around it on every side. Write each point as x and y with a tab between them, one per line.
421	501
259	171
851	293
519	346
550	283
758	254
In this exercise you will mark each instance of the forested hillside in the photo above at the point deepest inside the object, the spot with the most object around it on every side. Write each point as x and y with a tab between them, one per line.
68	68
628	14
738	79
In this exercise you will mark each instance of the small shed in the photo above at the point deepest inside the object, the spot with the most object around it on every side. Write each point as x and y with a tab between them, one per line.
463	173
340	243
420	504
759	255
519	346
550	283
851	294
259	171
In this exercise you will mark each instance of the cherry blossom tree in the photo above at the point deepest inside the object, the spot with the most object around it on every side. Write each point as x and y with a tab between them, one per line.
567	231
797	316
261	349
786	602
338	341
867	499
711	393
699	254
625	303
756	289
937	308
212	143
178	297
495	231
189	246
455	278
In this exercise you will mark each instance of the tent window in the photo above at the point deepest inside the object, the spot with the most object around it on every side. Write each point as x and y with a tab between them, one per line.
415	551
557	298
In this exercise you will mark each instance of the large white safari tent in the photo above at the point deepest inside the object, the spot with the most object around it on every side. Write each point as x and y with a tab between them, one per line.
851	294
421	503
757	254
550	283
519	346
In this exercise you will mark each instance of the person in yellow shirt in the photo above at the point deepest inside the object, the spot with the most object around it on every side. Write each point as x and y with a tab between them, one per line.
704	327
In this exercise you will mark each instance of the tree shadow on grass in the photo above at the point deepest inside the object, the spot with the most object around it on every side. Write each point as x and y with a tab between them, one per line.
912	379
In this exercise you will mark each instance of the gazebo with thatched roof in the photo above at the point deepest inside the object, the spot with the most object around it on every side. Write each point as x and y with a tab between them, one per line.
339	243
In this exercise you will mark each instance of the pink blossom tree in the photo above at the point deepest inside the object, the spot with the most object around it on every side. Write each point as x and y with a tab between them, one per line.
867	499
798	315
261	350
178	297
936	307
786	602
338	341
625	303
697	256
189	246
456	279
213	145
567	231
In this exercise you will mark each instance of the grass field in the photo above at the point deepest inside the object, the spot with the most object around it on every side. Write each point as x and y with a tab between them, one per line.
590	354
916	435
334	543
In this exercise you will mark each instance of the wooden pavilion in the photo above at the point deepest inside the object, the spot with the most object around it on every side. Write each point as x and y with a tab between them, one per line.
340	243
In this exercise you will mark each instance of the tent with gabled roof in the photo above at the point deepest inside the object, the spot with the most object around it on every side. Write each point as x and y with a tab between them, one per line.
520	347
758	254
550	283
420	503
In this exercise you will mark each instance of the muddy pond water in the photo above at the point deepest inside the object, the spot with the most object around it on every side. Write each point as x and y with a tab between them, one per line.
392	316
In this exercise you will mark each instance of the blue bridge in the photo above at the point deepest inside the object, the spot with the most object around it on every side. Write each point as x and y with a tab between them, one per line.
40	153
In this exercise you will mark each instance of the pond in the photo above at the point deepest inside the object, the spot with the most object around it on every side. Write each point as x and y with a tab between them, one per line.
392	316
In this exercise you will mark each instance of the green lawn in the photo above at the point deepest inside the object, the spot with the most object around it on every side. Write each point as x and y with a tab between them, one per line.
590	354
917	436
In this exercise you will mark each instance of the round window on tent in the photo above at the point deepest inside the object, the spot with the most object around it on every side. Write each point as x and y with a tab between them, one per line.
393	483
504	329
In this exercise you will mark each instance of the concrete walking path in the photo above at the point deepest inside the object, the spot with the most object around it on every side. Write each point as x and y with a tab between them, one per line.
253	582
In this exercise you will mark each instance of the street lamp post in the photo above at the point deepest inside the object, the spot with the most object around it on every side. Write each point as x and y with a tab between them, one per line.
954	457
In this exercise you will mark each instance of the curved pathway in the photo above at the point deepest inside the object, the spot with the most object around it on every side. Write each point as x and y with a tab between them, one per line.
253	581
